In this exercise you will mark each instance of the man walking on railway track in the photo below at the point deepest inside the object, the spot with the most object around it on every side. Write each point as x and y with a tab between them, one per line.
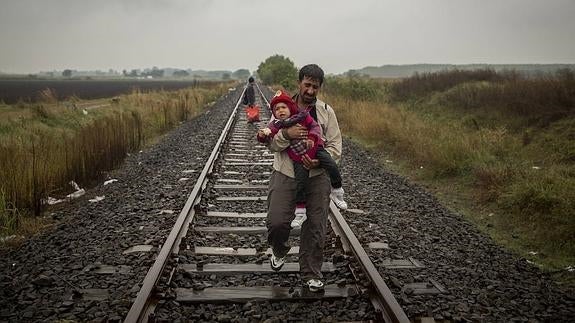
249	99
282	184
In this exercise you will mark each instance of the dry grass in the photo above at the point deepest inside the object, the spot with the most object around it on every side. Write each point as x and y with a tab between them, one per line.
450	148
521	171
46	145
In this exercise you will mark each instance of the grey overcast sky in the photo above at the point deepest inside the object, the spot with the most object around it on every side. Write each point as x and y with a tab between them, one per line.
43	35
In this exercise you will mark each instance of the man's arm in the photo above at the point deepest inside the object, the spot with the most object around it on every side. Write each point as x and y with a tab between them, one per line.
314	130
331	133
333	140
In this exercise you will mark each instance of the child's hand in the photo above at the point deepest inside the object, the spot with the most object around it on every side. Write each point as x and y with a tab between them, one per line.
264	132
309	143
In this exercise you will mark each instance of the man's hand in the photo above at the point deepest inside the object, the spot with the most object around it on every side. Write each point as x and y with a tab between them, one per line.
296	132
309	143
309	163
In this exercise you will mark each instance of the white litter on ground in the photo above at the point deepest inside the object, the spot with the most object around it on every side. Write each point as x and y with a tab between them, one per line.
76	194
79	191
51	201
166	212
188	171
183	179
110	181
74	185
97	199
533	253
8	238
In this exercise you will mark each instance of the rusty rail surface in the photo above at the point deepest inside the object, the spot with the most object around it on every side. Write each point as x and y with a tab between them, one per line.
381	297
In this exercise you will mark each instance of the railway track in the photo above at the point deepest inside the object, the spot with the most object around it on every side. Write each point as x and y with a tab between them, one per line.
217	251
92	265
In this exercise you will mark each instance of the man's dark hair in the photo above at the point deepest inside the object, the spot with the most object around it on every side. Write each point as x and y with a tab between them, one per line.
251	79
311	71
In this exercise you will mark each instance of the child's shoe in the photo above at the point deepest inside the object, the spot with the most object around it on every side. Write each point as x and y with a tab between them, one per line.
337	198
300	217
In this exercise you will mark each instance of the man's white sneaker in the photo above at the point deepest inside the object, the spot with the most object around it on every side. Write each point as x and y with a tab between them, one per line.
276	262
300	217
337	198
314	285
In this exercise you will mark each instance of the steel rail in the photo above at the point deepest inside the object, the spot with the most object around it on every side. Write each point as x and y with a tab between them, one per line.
382	299
263	96
186	215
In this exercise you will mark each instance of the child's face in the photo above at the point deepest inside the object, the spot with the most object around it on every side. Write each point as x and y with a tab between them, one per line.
281	111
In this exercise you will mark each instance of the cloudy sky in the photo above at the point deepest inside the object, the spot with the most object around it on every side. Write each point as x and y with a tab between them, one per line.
42	35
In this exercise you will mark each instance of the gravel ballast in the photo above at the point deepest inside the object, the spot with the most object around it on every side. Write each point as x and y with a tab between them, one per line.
54	275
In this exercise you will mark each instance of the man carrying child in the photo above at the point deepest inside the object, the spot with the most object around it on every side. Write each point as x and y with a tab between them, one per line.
281	195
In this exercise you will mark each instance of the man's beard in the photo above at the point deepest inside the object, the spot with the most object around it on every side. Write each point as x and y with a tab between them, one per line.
308	99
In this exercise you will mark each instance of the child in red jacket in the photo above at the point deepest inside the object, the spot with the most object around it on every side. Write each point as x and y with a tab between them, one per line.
286	114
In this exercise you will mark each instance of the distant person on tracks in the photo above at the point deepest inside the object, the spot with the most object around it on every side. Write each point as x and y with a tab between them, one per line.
249	99
287	114
282	184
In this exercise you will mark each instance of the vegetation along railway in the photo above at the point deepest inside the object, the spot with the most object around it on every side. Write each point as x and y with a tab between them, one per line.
396	255
26	90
